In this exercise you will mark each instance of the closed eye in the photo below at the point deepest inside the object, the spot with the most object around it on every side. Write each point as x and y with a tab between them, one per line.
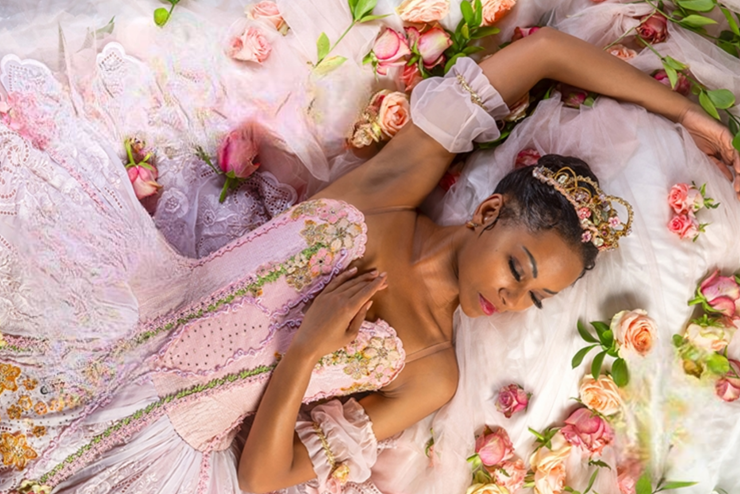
514	272
537	302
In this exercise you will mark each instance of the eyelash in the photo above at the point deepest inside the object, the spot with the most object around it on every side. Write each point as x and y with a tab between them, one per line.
537	303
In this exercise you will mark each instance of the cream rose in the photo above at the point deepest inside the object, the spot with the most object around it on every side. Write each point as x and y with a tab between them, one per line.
394	113
601	395
548	466
709	338
486	489
423	10
634	331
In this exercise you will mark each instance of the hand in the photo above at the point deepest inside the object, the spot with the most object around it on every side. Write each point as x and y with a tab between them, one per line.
715	140
335	317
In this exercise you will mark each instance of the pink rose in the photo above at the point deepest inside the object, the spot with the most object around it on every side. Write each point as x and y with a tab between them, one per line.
252	46
237	152
653	28
722	294
510	474
269	12
527	157
411	76
448	180
493	10
144	181
432	45
493	447
684	226
523	32
428	11
588	431
685	199
511	399
627	475
634	331
621	51
390	49
548	466
572	96
683	86
601	395
728	387
394	113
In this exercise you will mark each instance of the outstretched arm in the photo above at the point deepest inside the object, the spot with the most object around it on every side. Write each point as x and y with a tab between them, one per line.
409	167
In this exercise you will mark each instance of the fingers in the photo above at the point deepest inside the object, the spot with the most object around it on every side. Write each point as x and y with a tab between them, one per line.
354	325
351	285
363	293
722	167
340	279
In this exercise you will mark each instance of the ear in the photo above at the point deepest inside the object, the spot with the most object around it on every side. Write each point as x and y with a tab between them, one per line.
488	210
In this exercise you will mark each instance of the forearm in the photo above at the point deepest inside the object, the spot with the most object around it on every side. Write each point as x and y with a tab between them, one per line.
269	452
549	54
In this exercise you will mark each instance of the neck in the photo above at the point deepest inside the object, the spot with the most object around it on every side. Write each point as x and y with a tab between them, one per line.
436	251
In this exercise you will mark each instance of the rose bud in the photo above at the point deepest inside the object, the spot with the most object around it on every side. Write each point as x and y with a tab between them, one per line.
653	28
428	11
144	180
511	399
523	32
722	294
572	96
526	157
432	45
683	86
493	447
237	152
728	387
390	48
588	431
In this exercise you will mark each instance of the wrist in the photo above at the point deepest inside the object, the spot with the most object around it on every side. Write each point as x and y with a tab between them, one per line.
689	108
302	352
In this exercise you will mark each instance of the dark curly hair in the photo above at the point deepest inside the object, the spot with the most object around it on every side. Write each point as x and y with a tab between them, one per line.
540	207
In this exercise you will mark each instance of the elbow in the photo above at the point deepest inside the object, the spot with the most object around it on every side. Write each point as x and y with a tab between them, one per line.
251	482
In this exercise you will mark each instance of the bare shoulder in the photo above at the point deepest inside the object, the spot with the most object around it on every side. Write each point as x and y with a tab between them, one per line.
432	379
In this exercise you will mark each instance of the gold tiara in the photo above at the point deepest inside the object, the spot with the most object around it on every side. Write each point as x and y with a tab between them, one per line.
599	220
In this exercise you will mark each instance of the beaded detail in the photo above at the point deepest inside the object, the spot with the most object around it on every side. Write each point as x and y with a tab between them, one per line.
473	95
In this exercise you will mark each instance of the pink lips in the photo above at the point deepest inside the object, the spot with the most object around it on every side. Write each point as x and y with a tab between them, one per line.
488	308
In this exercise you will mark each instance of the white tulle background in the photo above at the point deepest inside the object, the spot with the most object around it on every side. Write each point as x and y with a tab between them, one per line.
183	93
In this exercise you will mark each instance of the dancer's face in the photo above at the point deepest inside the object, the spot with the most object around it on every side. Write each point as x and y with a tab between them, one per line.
509	268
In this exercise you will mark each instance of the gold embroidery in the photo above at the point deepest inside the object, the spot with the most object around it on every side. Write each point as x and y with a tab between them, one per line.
15	451
473	95
8	375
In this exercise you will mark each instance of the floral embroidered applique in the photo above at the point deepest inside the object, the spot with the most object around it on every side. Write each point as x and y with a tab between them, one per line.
14	412
25	402
8	375
15	450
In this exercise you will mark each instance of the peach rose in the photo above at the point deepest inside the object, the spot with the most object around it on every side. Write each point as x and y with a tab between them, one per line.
252	46
394	113
634	331
728	387
493	10
684	226
269	12
709	338
548	466
621	51
601	395
144	181
510	474
423	10
486	489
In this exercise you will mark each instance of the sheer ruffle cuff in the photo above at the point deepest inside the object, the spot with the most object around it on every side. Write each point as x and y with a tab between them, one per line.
458	108
341	443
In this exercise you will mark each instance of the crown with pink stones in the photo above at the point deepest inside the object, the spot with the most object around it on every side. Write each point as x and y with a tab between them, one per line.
599	220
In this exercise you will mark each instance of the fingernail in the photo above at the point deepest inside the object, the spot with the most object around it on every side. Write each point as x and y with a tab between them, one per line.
352	270
383	274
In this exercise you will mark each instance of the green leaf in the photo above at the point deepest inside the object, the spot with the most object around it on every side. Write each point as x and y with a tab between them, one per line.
718	364
478	13
607	338
644	486
698	5
368	58
673	63
599	463
591	481
730	20
369	18
161	16
322	47
672	75
352	7
677	340
734	128
580	355
707	104
600	327
452	61
620	373
329	64
731	48
467	12
736	144
596	364
472	49
465	31
482	32
174	2
673	484
696	20
362	8
585	334
722	98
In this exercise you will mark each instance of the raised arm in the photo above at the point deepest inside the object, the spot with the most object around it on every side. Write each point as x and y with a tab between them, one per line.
412	163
